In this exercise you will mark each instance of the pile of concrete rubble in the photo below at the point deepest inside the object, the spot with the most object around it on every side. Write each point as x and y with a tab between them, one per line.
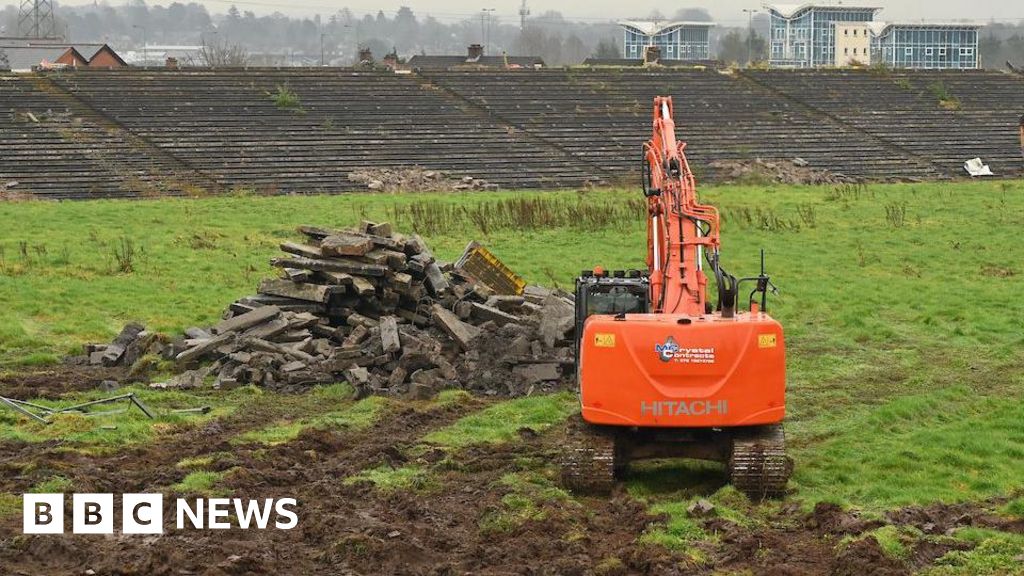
376	309
416	180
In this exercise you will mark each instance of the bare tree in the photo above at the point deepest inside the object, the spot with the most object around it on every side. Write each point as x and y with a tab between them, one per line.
224	55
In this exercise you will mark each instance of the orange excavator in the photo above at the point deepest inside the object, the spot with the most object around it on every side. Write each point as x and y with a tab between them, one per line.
664	372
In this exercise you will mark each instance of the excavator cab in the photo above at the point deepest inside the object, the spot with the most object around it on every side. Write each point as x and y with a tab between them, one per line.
601	293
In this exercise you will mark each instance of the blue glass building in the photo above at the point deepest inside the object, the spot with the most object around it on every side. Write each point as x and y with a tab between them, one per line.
812	36
676	40
927	46
803	35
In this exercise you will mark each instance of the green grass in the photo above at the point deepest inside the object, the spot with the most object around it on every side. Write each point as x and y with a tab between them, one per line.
196	462
328	407
387	478
107	433
195	256
995	554
905	353
527	495
1014	508
452	396
894	541
950	445
10	505
669	487
501	422
55	485
204	483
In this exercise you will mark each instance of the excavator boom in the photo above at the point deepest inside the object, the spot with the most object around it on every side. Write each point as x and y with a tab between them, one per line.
680	229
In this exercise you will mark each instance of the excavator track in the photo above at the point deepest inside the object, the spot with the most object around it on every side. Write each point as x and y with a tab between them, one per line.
589	459
758	465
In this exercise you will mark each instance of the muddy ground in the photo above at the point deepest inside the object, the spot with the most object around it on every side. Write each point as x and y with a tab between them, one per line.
438	529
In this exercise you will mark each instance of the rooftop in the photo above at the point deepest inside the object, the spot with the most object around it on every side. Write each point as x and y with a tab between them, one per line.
24	58
879	28
445	62
651	28
624	62
791	10
87	50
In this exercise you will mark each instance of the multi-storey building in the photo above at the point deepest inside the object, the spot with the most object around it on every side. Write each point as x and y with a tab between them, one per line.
927	45
804	35
675	40
815	35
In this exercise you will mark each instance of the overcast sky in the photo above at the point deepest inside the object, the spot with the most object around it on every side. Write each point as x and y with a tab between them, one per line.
728	12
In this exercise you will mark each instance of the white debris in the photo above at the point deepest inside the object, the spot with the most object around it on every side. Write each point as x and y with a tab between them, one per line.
975	167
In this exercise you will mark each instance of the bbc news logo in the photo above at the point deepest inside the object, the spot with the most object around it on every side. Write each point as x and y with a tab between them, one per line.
144	514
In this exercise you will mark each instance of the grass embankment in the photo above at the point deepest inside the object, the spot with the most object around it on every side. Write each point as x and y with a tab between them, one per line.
903	335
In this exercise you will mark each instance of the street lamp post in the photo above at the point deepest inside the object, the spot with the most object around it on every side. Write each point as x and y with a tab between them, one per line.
145	44
489	17
485	16
354	26
322	49
750	33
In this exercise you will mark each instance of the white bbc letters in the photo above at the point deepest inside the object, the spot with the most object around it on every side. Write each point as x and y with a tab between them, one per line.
92	513
142	514
43	513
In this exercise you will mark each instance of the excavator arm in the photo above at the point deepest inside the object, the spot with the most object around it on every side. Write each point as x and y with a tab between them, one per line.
682	234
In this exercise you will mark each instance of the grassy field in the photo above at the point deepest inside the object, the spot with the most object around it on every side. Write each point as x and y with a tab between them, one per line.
900	303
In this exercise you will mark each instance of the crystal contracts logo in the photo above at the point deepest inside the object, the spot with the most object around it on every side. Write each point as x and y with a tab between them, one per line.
144	514
667	351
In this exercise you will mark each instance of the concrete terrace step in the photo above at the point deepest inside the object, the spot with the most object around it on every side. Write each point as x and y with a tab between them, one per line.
131	132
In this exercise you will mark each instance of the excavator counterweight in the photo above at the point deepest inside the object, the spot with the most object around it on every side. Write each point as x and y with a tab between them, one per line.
663	371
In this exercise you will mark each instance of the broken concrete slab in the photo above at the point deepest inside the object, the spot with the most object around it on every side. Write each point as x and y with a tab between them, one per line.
436	282
293	366
506	303
345	245
330	265
336	278
357	335
247	320
486	313
362	286
197	333
384	229
464	334
556	320
421	391
113	353
268	330
357	376
304	250
397	377
258	344
204	347
389	335
299	291
537	373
